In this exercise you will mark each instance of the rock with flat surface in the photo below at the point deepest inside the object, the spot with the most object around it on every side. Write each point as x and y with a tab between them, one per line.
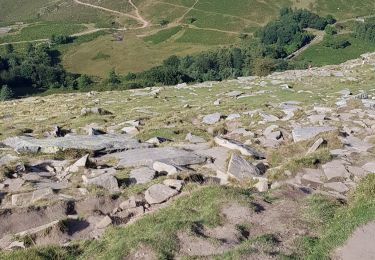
234	93
194	139
369	167
305	133
315	146
105	143
241	169
157	140
262	185
105	222
142	175
23	199
335	171
159	193
147	156
357	172
336	186
165	167
312	178
94	110
106	181
173	183
79	164
242	148
211	119
233	117
8	158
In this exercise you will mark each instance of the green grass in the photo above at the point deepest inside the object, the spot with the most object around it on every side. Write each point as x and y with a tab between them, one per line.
162	35
159	230
340	222
196	36
42	31
319	55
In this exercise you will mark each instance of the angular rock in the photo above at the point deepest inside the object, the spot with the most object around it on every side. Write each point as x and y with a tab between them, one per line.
312	178
159	193
357	172
81	163
130	130
106	181
146	157
24	199
128	204
194	139
105	222
6	159
157	140
262	185
241	169
164	167
335	171
142	175
13	185
104	143
232	117
211	119
242	148
305	133
269	118
369	167
173	183
315	146
336	186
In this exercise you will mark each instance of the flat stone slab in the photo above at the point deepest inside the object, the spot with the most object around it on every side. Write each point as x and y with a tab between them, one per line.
211	119
159	193
106	143
142	175
8	158
241	169
236	145
147	156
369	167
336	186
312	178
305	133
335	171
106	181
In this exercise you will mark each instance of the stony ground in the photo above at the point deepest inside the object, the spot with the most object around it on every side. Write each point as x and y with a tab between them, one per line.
74	165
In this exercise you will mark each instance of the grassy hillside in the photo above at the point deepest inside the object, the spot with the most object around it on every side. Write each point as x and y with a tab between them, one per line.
192	25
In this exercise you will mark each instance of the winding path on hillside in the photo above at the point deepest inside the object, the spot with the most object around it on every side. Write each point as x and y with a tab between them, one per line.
319	36
136	17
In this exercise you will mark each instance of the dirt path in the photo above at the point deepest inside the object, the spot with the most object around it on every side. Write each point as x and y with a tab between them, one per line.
360	245
19	42
187	11
137	17
319	36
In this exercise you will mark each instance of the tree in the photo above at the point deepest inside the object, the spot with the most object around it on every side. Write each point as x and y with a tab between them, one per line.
84	81
9	48
113	78
6	93
330	30
264	67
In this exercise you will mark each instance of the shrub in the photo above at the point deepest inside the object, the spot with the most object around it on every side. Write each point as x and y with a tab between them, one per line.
6	93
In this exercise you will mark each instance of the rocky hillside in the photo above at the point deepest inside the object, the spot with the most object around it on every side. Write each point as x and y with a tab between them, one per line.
228	169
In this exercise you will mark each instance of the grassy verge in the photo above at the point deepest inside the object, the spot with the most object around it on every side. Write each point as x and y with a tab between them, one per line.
162	35
339	222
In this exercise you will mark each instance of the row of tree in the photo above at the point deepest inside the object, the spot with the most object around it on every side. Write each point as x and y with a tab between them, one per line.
365	31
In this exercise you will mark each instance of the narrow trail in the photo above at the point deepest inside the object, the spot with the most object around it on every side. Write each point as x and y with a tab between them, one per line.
136	17
187	11
319	36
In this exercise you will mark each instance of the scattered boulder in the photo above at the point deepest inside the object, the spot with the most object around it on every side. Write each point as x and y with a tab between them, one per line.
94	110
369	167
211	119
105	222
157	140
315	146
130	130
81	163
142	175
159	193
173	183
234	93
336	186
242	148
194	139
106	181
335	171
241	169
6	159
23	199
305	133
312	178
262	185
164	167
233	117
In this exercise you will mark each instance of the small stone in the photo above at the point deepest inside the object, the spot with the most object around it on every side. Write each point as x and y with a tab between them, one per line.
159	193
211	119
142	175
157	140
105	222
130	130
217	102
128	204
106	181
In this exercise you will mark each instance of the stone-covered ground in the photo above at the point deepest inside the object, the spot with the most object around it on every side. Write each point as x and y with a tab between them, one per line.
75	165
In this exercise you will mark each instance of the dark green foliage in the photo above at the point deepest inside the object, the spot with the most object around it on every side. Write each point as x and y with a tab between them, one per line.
335	43
113	78
36	70
330	30
5	93
84	82
61	39
164	22
365	31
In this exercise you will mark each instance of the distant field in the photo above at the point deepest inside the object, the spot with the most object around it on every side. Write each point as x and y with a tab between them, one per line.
42	31
193	26
320	55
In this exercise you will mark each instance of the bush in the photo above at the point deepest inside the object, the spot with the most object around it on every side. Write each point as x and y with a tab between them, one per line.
336	43
6	93
330	30
84	82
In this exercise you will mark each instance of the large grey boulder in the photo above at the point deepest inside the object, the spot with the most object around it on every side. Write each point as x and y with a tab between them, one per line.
242	148
106	181
105	143
241	169
142	175
147	156
159	193
305	133
211	119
